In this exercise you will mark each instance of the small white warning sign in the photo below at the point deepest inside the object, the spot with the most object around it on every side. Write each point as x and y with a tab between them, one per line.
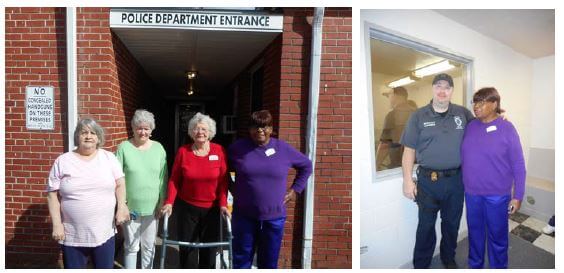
39	108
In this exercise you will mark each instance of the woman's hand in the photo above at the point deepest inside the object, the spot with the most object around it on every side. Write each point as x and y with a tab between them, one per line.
166	209
290	196
58	232
122	214
225	211
514	206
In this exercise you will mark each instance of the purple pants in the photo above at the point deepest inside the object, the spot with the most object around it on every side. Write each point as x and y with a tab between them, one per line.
264	237
487	219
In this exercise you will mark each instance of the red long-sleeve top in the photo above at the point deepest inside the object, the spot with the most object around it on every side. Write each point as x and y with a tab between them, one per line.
199	180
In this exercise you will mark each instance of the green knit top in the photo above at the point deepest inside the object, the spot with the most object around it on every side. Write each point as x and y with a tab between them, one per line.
146	175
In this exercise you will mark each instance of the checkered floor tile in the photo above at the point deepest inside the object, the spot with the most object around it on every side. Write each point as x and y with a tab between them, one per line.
530	229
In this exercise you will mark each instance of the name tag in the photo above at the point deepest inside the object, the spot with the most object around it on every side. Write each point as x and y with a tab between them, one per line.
428	124
213	157
491	129
269	152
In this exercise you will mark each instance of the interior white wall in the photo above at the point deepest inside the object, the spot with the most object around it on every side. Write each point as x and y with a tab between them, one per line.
542	103
387	219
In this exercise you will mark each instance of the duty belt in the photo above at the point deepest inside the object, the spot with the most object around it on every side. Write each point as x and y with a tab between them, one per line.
435	174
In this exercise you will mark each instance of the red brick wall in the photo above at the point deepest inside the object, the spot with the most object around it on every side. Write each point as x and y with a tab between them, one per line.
294	89
35	55
332	243
270	58
111	85
332	237
286	89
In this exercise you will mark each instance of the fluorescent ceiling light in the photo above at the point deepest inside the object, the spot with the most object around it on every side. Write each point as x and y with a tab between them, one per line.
403	81
433	69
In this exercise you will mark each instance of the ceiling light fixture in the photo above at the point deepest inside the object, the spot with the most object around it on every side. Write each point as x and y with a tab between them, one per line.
190	77
403	81
191	74
433	69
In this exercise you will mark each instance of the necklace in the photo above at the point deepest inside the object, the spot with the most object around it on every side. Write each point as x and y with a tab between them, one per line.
204	150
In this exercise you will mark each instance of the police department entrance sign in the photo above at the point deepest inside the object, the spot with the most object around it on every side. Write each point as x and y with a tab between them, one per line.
192	19
39	108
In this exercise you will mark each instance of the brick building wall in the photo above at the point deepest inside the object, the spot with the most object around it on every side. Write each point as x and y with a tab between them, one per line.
332	245
332	237
35	55
111	85
286	92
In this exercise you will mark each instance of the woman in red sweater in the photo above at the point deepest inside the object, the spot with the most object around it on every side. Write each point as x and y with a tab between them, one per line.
198	189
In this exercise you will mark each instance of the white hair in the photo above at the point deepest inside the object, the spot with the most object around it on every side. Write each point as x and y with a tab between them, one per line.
201	118
143	116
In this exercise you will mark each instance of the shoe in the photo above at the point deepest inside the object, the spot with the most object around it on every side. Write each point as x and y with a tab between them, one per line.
450	264
548	229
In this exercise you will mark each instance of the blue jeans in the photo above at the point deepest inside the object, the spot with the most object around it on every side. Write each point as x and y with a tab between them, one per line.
76	257
487	219
263	236
447	196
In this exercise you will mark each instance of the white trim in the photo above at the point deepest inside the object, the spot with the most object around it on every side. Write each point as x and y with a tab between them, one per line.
72	91
373	31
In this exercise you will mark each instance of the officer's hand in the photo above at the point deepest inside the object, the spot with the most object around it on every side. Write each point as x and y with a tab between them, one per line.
409	189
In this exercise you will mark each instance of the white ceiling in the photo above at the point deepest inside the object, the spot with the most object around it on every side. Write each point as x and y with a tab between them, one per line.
530	32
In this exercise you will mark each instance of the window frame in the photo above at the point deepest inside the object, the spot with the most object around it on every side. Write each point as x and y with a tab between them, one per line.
373	31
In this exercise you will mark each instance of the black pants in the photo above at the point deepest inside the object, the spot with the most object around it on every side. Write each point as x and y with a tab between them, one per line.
196	224
447	196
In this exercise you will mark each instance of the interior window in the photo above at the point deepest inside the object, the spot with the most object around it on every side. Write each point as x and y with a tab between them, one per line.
401	83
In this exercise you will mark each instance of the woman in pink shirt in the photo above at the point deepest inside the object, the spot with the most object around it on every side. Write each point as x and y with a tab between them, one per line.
84	187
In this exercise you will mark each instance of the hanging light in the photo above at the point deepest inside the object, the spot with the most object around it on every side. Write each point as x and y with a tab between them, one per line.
190	76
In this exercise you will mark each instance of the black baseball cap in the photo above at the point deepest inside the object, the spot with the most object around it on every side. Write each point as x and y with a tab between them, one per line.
443	77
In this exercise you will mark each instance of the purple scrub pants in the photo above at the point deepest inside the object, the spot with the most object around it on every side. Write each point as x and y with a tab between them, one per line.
487	219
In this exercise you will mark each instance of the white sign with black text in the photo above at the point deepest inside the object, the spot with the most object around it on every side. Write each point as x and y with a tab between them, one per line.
240	21
39	108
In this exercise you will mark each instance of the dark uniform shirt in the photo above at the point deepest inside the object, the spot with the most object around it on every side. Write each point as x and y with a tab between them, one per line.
436	138
395	121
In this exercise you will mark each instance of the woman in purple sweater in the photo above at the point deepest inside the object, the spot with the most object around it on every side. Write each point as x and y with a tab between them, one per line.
260	192
493	171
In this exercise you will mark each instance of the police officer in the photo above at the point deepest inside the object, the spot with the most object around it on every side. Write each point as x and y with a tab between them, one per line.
393	128
433	135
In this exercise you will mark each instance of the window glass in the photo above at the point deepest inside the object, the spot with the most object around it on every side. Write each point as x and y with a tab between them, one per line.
393	101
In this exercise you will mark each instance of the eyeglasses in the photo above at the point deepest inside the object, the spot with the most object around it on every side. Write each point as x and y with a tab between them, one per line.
264	128
479	103
199	129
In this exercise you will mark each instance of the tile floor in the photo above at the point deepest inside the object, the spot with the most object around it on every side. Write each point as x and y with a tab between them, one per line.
529	248
530	229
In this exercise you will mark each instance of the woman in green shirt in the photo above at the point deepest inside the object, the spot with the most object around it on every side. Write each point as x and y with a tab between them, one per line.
144	164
